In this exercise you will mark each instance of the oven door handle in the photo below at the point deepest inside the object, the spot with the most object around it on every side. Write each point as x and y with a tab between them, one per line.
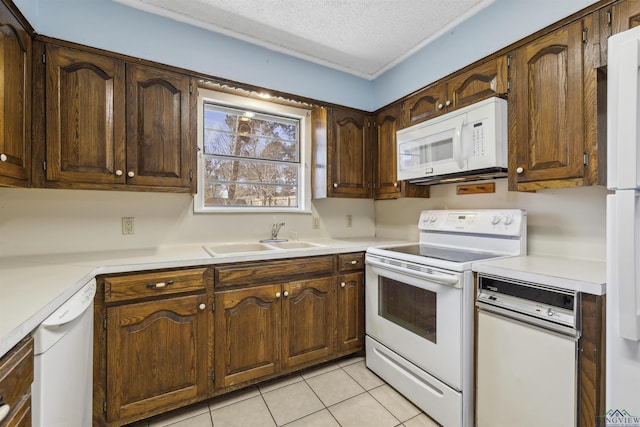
442	279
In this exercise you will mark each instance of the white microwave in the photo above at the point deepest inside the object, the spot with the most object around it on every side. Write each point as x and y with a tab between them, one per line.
469	143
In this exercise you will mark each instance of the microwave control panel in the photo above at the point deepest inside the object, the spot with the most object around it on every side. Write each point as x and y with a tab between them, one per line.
477	139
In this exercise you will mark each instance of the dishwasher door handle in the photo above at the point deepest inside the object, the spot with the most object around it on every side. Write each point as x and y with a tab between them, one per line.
565	331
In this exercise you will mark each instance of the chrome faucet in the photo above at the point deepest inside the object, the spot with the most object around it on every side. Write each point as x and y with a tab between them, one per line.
275	229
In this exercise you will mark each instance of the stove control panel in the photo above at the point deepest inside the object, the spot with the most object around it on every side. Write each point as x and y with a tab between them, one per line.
507	222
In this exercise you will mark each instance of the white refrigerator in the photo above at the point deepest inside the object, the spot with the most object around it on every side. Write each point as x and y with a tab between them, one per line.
623	231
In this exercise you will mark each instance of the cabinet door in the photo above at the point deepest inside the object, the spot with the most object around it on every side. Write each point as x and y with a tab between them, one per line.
349	154
350	312
84	100
157	356
247	324
482	82
424	105
386	185
625	15
546	111
308	321
160	144
15	101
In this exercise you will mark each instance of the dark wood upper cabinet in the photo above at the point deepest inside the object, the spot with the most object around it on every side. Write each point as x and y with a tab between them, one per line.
15	102
342	153
386	184
625	15
112	124
159	147
480	82
85	117
553	111
424	105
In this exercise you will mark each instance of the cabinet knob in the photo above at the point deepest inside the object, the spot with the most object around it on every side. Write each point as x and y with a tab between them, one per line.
5	408
440	106
118	172
131	174
519	169
448	102
343	284
202	306
277	294
395	184
286	293
335	185
3	157
354	262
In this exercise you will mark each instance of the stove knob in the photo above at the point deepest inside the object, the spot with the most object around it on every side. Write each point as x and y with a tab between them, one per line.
433	218
507	219
495	220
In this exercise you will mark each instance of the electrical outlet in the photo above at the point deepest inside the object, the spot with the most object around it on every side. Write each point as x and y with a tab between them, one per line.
315	222
127	225
349	220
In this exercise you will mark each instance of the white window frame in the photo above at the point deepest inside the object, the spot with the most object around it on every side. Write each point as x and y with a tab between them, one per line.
234	101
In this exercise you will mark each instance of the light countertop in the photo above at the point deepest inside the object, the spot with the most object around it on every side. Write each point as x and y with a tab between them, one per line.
580	275
33	287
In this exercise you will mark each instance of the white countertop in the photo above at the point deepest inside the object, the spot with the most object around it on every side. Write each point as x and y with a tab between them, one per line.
580	275
33	287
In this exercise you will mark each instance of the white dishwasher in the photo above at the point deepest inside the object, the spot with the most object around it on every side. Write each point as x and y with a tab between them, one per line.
62	388
526	354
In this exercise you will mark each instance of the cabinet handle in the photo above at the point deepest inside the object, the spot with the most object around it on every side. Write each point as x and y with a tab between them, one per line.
3	157
202	306
519	169
5	408
131	174
448	102
118	172
335	185
440	106
277	294
342	285
286	293
159	284
354	262
395	184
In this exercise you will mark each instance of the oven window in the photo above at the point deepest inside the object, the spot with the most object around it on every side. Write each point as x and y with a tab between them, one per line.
409	307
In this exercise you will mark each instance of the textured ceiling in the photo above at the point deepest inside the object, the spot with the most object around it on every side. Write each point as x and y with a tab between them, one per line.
361	37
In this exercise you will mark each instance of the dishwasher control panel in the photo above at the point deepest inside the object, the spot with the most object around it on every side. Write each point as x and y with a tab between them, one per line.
542	302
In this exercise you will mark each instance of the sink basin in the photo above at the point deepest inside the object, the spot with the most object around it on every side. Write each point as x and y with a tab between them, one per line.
294	244
233	248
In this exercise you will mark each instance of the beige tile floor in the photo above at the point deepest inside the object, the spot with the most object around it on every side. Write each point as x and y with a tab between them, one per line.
343	393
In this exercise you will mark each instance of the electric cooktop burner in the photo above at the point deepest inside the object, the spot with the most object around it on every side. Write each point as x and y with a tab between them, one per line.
454	255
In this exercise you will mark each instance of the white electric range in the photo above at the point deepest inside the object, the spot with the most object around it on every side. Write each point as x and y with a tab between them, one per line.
419	306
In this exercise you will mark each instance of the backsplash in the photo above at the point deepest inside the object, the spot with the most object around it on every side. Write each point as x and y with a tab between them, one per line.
37	221
563	222
568	222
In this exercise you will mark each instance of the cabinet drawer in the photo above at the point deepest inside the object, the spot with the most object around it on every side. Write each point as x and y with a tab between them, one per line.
122	288
253	273
16	376
351	262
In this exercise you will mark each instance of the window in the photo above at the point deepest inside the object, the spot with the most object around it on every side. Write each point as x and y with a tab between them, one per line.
252	155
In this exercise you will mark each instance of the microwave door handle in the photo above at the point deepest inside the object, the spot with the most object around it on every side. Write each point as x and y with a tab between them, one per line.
458	154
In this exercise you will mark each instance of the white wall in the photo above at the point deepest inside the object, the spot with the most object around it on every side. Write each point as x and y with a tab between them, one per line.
40	221
564	222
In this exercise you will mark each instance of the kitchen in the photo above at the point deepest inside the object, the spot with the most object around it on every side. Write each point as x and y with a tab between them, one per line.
61	221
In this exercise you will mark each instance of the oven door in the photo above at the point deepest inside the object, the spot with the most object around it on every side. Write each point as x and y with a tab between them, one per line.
418	315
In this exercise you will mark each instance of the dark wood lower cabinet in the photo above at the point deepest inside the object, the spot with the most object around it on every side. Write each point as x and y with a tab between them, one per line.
167	339
156	356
